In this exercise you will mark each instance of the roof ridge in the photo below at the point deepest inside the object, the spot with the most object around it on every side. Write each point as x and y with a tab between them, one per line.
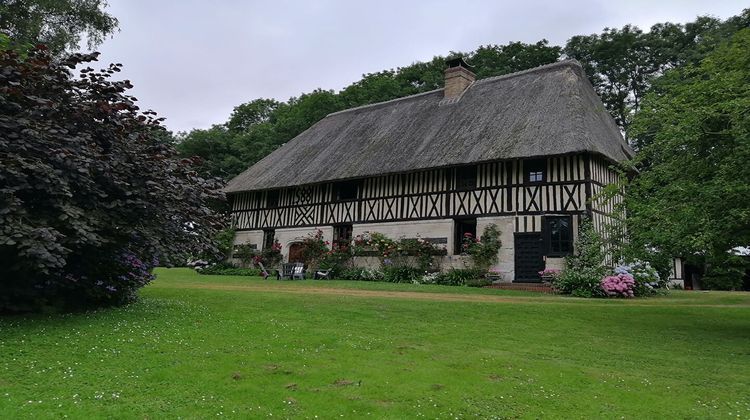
561	63
543	67
416	95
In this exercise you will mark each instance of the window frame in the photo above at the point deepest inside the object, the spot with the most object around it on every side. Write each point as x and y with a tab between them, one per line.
458	232
273	197
550	242
465	178
268	234
349	234
337	187
537	167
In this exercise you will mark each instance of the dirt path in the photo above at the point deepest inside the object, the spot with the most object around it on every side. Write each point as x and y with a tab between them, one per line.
441	297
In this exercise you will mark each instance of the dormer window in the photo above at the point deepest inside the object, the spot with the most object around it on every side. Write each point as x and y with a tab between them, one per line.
534	170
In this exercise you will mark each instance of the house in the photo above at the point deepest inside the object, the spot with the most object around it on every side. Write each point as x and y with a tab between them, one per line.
525	151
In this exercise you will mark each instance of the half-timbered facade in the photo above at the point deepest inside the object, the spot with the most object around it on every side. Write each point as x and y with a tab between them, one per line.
525	151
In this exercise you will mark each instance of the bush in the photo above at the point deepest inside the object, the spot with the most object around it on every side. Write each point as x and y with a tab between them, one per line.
402	274
580	283
619	285
92	193
337	260
361	274
226	269
584	270
483	252
726	275
647	279
455	277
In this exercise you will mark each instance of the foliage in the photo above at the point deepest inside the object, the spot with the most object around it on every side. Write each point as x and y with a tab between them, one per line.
483	252
224	240
402	252
89	189
246	253
402	274
361	274
584	269
59	24
622	64
726	274
692	197
314	248
647	279
456	277
622	285
270	257
227	269
580	283
337	260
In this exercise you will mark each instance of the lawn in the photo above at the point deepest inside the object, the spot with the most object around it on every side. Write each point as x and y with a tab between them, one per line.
206	346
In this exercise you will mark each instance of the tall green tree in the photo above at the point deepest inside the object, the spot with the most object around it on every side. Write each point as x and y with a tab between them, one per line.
623	63
59	24
692	197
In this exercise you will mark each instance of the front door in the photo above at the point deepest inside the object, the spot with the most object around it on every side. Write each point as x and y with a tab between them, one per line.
529	257
295	252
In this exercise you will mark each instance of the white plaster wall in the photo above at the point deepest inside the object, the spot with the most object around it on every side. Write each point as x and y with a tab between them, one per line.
253	237
289	236
506	255
442	228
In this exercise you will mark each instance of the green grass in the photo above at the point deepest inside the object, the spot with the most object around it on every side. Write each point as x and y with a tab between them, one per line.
316	348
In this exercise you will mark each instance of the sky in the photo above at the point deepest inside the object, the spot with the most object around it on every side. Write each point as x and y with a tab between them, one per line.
193	61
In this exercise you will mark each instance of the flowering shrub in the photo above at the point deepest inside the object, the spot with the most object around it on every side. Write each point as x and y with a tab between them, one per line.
361	274
619	285
647	279
483	252
398	253
314	247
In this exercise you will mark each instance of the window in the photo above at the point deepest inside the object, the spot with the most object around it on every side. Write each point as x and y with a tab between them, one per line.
465	229
466	177
534	170
272	198
269	236
342	235
558	235
346	190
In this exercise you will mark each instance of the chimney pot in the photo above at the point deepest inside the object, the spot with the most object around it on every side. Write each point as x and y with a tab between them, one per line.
458	77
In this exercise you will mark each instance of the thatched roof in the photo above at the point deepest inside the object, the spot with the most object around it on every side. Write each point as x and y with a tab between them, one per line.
549	110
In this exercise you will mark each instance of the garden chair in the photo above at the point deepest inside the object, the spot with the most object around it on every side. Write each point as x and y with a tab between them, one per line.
322	274
291	271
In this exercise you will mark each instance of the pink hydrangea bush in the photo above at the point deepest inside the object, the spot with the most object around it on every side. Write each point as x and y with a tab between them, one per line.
619	285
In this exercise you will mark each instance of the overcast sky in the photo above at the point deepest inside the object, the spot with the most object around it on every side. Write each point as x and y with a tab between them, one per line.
193	61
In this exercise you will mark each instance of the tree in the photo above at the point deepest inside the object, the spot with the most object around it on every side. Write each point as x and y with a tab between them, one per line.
692	197
623	63
252	113
92	194
59	24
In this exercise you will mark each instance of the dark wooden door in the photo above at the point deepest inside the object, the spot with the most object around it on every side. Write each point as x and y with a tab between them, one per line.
529	257
295	252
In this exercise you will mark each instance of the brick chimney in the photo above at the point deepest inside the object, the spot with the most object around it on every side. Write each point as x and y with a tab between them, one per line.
458	77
